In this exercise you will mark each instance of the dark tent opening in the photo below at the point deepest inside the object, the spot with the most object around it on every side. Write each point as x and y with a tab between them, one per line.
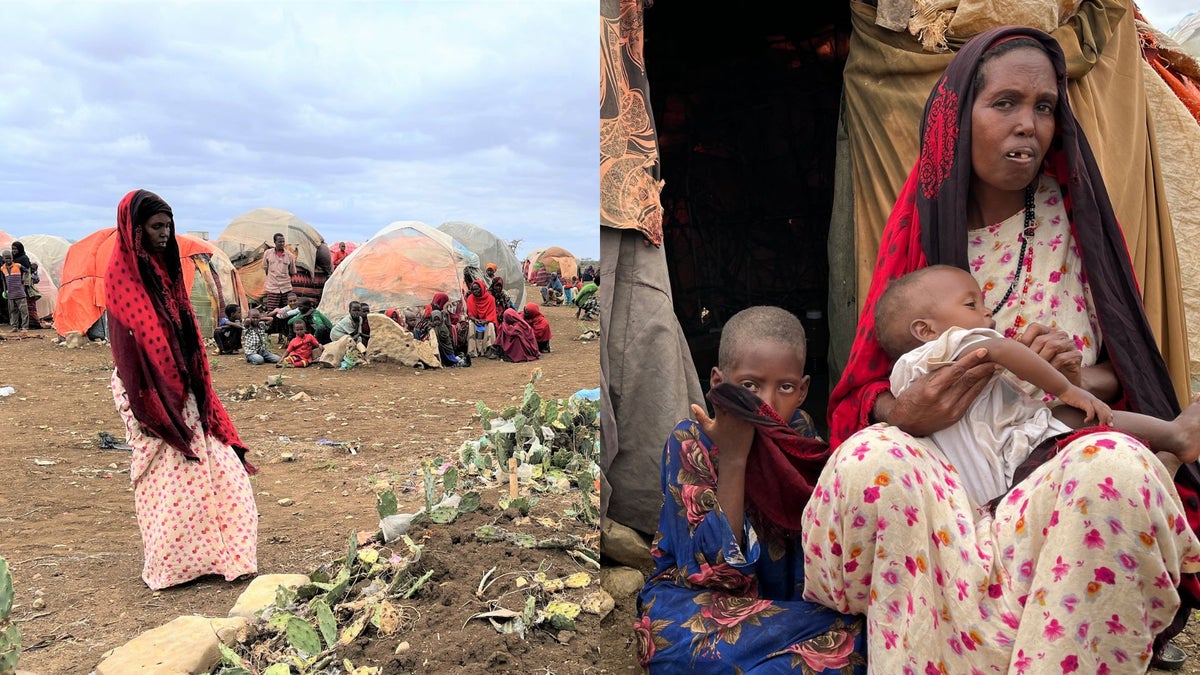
746	106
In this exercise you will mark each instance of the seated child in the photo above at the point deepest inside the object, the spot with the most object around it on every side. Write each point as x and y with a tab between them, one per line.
281	316
929	318
365	330
349	325
229	331
254	341
729	578
300	349
318	324
541	327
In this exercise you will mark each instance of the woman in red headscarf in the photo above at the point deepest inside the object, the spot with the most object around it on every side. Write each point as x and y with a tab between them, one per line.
481	310
540	326
515	338
194	502
1076	569
457	324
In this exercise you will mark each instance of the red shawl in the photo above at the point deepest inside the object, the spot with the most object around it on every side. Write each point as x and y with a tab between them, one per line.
156	344
783	466
482	308
539	323
515	338
929	226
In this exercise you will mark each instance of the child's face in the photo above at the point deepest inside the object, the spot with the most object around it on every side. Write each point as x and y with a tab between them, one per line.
299	329
292	299
959	303
254	316
774	371
237	314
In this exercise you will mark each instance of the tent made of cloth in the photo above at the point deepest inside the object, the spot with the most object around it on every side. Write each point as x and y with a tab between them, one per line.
51	251
45	285
82	299
248	235
550	260
403	265
490	249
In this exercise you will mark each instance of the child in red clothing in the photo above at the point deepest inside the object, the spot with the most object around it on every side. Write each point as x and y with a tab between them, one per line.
300	349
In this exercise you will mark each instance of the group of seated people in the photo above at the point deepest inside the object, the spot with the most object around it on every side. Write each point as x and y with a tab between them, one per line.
299	325
578	292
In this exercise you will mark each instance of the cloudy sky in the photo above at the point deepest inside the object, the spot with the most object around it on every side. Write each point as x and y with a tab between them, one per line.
1165	14
349	114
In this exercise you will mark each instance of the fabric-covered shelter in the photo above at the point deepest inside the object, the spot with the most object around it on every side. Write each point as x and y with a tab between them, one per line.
249	235
403	265
209	275
46	284
550	260
490	249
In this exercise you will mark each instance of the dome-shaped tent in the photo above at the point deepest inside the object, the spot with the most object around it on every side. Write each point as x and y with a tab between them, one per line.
550	260
51	251
48	303
81	296
247	236
491	249
403	265
527	263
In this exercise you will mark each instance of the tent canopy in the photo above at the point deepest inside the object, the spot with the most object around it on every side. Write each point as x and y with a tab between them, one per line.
81	296
550	260
490	249
248	235
403	265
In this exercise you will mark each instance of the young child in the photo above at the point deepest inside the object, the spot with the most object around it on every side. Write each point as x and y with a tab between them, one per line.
929	318
735	486
300	349
254	341
281	316
13	282
229	331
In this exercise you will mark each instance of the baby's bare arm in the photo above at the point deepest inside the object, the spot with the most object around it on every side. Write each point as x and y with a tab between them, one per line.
1025	364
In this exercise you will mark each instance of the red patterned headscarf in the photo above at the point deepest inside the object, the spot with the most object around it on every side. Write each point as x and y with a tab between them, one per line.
156	343
929	226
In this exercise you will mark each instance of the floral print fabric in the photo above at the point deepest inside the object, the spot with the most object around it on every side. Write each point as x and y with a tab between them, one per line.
1075	573
712	606
196	517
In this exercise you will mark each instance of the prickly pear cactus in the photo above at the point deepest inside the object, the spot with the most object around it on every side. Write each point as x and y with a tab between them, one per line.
10	637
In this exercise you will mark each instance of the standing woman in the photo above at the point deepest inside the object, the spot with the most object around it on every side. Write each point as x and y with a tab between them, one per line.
31	292
195	505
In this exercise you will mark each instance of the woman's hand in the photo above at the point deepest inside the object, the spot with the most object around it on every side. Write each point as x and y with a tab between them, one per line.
1057	348
937	400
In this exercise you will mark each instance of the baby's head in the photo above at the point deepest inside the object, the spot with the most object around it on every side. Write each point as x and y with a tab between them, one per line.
922	305
763	349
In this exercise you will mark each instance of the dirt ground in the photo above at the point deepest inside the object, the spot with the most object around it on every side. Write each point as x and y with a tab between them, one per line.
68	529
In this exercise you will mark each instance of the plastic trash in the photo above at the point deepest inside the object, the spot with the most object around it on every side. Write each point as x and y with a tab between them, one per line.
7	391
588	394
394	527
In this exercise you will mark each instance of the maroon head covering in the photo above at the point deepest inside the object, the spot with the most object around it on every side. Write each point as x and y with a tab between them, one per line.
515	338
539	323
156	343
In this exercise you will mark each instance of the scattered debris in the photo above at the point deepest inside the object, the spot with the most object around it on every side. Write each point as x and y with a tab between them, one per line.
110	442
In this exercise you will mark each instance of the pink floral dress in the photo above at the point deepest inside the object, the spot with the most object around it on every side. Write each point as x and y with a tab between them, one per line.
196	517
712	606
1075	572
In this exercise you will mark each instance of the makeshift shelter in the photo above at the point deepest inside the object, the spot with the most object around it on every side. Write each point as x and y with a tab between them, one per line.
403	265
51	250
549	261
491	249
209	275
527	262
48	303
763	151
249	235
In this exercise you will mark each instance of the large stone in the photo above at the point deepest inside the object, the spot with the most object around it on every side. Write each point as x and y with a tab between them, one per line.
622	583
186	645
625	545
260	594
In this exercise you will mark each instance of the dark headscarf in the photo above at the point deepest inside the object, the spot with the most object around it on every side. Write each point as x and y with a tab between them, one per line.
156	343
929	226
19	256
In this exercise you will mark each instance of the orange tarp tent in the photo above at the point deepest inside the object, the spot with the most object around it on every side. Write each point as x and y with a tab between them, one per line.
81	299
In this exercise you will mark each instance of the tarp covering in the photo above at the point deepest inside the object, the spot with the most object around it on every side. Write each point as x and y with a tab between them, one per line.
553	259
82	299
51	251
403	265
490	249
244	238
46	284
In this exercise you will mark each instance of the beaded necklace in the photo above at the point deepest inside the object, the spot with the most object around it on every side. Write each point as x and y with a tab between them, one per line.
1025	236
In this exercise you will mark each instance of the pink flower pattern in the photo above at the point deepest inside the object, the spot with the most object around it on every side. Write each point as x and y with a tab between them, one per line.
1045	580
196	518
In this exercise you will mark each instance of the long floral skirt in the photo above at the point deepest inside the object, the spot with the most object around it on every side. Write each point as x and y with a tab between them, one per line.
1076	571
196	517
